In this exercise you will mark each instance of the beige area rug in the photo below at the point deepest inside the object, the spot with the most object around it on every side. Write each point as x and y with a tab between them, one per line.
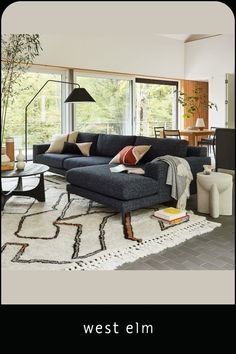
81	235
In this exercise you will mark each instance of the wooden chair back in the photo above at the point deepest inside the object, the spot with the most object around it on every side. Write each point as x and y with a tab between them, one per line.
157	131
171	133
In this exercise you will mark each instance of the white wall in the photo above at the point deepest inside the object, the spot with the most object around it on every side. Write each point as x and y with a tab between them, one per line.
123	37
152	55
210	59
217	94
120	35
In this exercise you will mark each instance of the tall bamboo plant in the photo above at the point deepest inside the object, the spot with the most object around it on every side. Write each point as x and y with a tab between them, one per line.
18	54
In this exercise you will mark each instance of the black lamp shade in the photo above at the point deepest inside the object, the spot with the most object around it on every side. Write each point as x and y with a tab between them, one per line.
79	95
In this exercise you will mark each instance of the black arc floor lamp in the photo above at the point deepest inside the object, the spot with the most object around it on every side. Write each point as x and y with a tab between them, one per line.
78	94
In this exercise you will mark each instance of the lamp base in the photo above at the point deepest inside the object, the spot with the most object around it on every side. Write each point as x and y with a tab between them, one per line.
201	128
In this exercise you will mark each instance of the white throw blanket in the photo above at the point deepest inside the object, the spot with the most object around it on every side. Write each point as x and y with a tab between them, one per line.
179	176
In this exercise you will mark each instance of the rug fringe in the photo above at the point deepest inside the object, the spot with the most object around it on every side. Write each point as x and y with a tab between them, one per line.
111	260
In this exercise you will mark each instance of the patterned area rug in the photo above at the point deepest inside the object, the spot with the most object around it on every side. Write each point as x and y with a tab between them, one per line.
81	234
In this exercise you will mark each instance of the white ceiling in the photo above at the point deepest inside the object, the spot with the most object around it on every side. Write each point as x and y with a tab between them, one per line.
116	18
188	37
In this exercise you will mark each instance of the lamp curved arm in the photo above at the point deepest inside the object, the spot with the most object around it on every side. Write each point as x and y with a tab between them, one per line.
32	99
62	82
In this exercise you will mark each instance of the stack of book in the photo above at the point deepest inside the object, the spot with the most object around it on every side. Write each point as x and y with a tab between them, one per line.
170	217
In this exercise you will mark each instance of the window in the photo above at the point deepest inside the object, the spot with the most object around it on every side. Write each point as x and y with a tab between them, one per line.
111	112
155	105
44	113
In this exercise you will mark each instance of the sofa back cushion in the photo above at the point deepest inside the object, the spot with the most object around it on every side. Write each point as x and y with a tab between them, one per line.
161	147
110	144
88	137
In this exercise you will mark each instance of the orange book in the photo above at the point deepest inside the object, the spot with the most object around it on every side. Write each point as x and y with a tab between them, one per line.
175	221
169	214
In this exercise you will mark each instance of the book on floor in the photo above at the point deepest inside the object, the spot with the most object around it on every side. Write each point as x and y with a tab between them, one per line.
169	214
175	221
166	224
128	169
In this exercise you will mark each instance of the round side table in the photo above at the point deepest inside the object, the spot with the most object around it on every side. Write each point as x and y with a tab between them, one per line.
214	193
31	169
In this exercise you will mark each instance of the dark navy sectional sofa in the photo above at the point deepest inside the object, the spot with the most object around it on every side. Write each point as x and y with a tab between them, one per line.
90	177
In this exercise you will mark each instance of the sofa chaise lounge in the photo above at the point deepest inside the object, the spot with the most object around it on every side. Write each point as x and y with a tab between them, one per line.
91	178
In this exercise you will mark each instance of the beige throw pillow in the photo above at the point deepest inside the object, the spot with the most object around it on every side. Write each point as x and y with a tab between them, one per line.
84	148
72	137
77	148
58	140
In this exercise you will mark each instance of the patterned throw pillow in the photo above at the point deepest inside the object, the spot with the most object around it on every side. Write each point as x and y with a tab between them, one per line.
58	140
77	148
130	155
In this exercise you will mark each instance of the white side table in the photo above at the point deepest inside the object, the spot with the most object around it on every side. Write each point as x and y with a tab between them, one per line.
214	193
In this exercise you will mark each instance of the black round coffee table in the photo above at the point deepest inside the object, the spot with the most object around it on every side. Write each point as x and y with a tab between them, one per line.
31	169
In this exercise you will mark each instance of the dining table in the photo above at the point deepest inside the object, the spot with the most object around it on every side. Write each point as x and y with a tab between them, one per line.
193	135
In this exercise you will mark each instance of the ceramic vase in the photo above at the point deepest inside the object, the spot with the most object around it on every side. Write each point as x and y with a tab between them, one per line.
20	161
207	169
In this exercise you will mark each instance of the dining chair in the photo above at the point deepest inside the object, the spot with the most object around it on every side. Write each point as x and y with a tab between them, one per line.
171	133
157	131
209	142
225	149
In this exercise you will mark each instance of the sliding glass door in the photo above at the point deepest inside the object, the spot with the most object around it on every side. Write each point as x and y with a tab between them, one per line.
155	105
124	105
111	113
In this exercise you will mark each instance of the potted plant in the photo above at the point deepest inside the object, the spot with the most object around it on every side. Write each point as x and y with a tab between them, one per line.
18	54
193	103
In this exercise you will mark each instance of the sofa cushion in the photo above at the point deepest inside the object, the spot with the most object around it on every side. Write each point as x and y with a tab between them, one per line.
76	148
85	137
58	140
200	151
53	160
82	161
122	186
110	144
161	147
130	155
